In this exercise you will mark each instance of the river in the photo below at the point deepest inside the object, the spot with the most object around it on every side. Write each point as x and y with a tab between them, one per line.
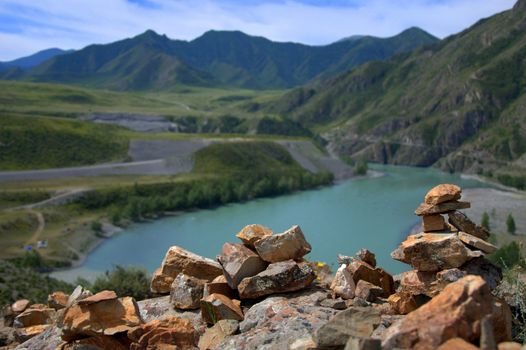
374	213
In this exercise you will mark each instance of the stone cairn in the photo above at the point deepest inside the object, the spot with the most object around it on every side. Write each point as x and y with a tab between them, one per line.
263	293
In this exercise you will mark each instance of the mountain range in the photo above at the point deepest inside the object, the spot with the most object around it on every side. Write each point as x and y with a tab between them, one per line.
459	104
217	58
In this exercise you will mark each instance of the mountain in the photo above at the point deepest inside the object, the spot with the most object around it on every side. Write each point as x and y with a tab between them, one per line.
220	58
33	60
459	104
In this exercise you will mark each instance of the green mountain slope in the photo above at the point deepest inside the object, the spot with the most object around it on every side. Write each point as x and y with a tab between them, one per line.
458	104
34	59
233	59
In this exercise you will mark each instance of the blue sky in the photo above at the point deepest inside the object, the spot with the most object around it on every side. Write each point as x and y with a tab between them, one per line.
27	26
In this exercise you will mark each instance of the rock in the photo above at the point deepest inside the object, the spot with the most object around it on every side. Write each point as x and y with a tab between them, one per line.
57	300
280	277
106	317
160	308
355	321
290	244
250	234
186	292
457	344
101	296
385	323
343	283
443	193
487	338
7	336
239	262
509	346
78	293
216	307
367	257
362	271
355	343
476	242
171	330
7	316
402	303
428	283
178	260
48	340
433	252
456	312
284	321
98	342
368	291
464	224
502	321
24	334
20	305
220	286
216	334
482	267
432	223
34	317
431	209
337	304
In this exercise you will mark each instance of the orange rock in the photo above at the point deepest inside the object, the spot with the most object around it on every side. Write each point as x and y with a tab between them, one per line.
379	277
217	307
101	296
402	303
456	312
98	342
20	305
170	331
457	344
24	334
502	319
462	223
368	291
509	346
290	244
57	300
105	317
160	283
250	234
443	193
33	317
239	262
430	209
186	292
432	223
477	243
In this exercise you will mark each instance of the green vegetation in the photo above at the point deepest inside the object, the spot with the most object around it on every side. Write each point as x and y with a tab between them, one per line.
508	256
510	224
485	221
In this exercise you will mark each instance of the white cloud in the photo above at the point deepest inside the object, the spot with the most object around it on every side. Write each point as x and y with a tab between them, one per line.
74	24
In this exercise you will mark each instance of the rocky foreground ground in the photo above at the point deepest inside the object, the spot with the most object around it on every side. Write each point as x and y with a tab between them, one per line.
262	294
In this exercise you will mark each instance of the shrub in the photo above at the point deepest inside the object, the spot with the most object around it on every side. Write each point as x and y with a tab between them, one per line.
125	281
507	256
510	224
485	221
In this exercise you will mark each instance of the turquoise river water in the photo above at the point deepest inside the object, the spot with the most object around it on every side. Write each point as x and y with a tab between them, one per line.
374	213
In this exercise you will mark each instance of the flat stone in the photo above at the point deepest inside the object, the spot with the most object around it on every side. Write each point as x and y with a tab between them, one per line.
49	339
433	252
443	193
24	334
250	234
216	334
368	291
178	260
402	303
430	209
216	307
220	286
107	317
170	330
343	284
101	296
379	277
355	343
34	317
290	244
457	344
186	292
456	312
464	224
280	277
20	305
476	242
431	223
98	342
367	257
78	293
160	308
239	262
57	300
355	321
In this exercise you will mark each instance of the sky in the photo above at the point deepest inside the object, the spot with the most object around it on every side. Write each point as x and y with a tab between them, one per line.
27	26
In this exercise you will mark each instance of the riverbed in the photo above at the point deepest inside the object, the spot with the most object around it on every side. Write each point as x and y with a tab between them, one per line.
371	212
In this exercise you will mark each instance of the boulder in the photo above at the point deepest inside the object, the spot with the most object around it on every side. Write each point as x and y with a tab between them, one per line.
477	243
353	322
24	334
57	300
106	317
220	286
368	291
101	296
433	252
290	244
402	303
7	336
464	224
432	223
20	305
78	293
216	307
216	334
239	262
457	344
280	277
443	193
343	283
431	209
250	234
178	260
502	321
160	308
482	267
34	317
186	292
171	330
379	277
355	343
428	283
98	342
456	312
367	257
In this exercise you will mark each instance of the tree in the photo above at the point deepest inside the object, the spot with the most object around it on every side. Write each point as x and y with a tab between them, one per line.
510	224
485	221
